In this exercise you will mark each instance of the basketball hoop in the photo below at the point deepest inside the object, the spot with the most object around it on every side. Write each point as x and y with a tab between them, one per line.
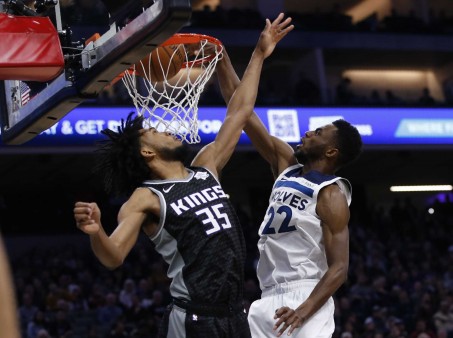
170	99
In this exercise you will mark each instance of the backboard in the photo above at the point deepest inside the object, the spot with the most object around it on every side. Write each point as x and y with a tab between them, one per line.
100	62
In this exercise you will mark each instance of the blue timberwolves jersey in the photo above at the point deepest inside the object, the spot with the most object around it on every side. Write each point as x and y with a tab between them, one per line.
291	242
200	238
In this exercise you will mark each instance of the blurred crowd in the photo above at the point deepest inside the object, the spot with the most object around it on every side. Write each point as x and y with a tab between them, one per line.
303	93
94	12
86	17
400	282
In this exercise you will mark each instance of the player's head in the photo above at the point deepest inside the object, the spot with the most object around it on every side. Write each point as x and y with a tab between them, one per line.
162	145
119	160
348	142
126	157
339	143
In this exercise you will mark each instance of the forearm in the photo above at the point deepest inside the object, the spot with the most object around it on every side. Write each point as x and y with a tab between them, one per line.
327	286
227	77
105	250
243	99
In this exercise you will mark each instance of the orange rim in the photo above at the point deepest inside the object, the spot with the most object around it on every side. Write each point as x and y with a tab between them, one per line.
190	38
183	38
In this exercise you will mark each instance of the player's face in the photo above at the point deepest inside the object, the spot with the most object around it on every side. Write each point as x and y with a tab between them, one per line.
315	143
165	144
156	139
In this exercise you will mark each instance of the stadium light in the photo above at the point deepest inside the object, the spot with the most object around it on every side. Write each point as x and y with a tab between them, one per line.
417	188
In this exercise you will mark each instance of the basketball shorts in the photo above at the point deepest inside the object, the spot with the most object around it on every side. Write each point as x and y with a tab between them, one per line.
186	320
262	311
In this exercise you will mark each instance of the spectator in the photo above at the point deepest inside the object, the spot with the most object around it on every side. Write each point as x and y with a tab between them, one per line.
110	312
128	293
443	318
36	325
345	96
426	99
421	330
391	99
27	311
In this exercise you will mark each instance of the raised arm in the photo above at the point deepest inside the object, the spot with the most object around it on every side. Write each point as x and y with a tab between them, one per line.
276	152
215	155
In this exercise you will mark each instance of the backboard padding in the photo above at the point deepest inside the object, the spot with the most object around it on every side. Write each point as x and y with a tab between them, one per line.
119	50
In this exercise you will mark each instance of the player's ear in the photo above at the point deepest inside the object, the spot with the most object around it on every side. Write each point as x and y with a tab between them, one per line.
147	153
332	152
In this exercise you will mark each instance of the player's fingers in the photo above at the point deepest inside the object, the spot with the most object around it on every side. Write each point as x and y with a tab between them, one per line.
294	326
281	311
283	29
278	19
282	314
80	221
295	323
285	23
82	213
282	329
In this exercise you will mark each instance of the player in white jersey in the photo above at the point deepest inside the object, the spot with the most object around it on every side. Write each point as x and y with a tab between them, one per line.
304	238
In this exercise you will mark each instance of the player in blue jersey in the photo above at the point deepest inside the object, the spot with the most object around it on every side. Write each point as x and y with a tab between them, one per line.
304	238
184	211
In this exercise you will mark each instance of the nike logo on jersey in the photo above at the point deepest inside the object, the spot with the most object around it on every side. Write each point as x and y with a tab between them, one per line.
198	198
168	189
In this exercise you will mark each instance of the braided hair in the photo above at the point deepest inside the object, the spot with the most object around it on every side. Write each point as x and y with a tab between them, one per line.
119	161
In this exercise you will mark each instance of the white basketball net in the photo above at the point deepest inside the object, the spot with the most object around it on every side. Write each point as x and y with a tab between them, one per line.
172	104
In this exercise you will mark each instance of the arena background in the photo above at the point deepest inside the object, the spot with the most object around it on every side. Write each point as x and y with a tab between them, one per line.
338	55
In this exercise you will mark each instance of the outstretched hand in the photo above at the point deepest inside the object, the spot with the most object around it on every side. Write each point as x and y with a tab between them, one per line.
87	217
273	33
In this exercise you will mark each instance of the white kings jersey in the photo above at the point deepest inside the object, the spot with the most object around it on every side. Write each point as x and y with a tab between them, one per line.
291	243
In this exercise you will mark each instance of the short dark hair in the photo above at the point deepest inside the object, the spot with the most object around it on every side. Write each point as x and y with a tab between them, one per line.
349	142
119	161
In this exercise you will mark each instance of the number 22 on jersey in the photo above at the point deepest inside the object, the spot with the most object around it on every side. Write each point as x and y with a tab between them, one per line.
279	224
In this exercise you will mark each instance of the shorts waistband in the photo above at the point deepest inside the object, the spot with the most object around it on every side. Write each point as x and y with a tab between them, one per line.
288	287
218	310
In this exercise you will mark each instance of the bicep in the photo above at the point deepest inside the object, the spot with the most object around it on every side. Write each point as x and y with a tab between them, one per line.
333	210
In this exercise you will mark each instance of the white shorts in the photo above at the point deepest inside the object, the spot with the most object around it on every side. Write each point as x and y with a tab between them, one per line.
262	311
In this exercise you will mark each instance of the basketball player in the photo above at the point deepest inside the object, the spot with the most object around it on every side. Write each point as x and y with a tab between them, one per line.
304	238
184	211
8	313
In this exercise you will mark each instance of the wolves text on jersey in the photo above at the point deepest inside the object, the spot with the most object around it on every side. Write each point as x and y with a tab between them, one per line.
289	198
195	199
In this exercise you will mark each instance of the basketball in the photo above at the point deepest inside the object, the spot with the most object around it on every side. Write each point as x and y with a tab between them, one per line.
165	63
